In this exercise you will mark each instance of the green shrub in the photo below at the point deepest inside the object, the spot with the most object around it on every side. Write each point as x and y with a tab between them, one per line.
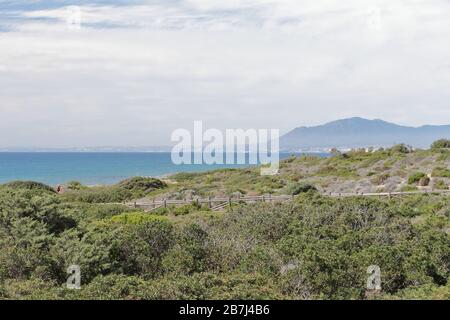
29	185
177	286
441	144
190	253
141	184
126	190
75	185
113	287
139	248
401	148
300	187
41	207
415	177
29	289
91	249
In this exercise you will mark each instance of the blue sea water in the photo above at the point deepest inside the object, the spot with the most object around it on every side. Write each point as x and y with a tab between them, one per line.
92	168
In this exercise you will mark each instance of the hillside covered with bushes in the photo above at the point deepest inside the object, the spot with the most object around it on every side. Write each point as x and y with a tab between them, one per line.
399	168
314	248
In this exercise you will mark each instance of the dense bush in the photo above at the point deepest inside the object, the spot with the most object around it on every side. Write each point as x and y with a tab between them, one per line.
401	148
300	187
416	177
32	204
441	144
29	185
141	184
125	190
75	185
315	248
140	248
425	292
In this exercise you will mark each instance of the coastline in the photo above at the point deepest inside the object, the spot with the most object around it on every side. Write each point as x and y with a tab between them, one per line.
97	169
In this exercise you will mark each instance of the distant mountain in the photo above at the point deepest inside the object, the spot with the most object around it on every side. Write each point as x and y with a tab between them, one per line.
360	133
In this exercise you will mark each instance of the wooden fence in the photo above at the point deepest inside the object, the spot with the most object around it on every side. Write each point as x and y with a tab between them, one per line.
215	204
220	203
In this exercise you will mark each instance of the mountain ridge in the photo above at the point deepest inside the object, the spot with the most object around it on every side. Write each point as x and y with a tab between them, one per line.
357	132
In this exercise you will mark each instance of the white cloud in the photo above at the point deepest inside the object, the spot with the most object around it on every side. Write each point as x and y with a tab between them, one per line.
134	73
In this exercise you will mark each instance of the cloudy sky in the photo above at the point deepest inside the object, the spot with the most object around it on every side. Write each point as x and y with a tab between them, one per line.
136	70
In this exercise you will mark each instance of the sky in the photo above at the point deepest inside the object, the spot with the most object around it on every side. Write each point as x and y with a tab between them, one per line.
134	71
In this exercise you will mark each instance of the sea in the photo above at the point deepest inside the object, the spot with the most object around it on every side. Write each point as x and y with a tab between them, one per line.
97	168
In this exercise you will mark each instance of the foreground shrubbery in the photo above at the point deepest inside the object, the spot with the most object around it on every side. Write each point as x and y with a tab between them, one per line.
315	248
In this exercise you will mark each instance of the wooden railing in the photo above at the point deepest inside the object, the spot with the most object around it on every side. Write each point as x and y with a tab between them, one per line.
215	204
220	203
387	194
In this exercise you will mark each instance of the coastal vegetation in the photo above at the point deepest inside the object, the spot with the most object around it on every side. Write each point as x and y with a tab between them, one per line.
399	168
441	144
125	190
315	247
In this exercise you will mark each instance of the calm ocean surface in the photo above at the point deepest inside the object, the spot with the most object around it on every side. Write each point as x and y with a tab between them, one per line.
93	168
